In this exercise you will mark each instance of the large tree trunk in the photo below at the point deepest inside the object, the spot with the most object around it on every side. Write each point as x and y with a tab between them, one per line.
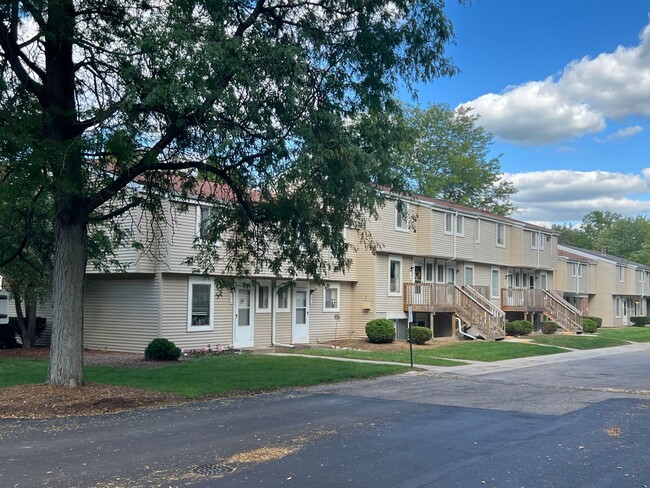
71	220
66	353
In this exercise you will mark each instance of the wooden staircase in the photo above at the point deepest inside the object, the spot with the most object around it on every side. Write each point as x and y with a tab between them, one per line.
479	317
562	312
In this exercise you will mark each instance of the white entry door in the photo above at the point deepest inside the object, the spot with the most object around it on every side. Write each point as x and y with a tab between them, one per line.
417	278
300	334
243	318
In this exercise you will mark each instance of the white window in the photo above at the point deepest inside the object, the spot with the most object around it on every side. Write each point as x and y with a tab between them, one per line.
451	275
449	223
543	281
574	269
282	299
501	235
477	238
428	273
469	275
331	298
202	222
263	303
495	289
200	304
459	226
440	273
401	218
542	238
395	276
621	273
533	240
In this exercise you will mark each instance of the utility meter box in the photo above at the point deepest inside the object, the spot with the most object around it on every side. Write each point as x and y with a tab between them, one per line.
4	307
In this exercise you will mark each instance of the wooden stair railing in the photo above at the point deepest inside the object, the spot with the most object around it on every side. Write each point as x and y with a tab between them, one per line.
562	312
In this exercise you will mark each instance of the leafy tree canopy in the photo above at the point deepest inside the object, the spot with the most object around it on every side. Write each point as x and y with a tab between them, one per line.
117	105
448	158
625	237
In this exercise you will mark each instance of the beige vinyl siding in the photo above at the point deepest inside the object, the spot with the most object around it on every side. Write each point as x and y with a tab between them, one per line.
261	326
390	305
515	246
393	240
602	305
120	313
364	290
487	250
442	245
424	231
175	311
323	326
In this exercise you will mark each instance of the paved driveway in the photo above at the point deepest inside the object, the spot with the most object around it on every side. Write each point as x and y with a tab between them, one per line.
581	420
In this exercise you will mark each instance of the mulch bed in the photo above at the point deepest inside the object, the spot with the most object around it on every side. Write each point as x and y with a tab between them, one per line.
42	401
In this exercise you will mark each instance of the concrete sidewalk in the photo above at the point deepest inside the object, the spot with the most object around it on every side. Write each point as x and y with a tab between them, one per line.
479	368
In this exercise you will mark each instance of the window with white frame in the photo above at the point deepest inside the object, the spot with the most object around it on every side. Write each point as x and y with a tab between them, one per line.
428	273
576	270
331	298
621	273
203	222
395	275
263	303
401	217
282	299
495	289
459	226
477	237
200	304
617	307
440	273
533	240
449	223
540	242
501	235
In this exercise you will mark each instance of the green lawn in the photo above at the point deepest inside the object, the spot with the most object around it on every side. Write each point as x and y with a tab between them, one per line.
633	334
579	341
209	375
475	350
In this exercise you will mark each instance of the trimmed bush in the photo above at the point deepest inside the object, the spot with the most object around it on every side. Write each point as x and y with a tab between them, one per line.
598	320
162	350
589	326
640	321
519	327
380	331
420	335
549	327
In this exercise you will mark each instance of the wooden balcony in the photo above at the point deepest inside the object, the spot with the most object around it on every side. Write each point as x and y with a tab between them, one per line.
522	300
429	297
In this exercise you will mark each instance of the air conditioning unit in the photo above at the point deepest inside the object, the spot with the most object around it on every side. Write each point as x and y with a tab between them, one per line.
4	307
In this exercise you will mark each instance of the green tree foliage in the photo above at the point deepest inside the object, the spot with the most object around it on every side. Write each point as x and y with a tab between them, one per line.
625	237
287	107
449	159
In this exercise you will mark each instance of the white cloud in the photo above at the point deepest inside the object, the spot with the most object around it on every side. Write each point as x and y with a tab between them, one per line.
590	90
566	196
622	134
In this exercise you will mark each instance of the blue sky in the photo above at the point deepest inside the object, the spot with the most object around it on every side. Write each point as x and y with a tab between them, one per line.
564	86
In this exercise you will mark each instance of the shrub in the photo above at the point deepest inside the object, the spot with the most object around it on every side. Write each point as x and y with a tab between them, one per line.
640	321
519	327
420	335
380	331
162	350
598	320
589	326
549	327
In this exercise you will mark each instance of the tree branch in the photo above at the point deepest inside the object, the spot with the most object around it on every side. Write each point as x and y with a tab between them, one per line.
117	212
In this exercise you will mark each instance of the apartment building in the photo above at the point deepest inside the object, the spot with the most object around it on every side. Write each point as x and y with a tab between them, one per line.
603	285
460	271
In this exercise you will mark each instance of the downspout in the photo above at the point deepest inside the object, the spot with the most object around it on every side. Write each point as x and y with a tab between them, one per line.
273	321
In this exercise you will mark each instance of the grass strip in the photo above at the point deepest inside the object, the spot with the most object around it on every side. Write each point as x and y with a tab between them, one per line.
209	375
433	356
581	342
